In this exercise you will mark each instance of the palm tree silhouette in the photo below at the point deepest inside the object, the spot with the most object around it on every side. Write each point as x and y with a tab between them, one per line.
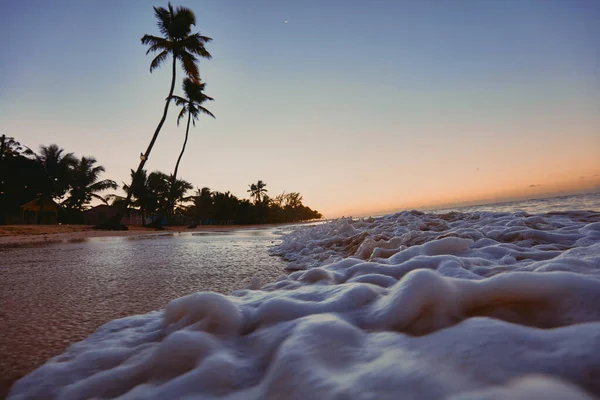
56	176
258	191
85	183
178	41
192	105
140	190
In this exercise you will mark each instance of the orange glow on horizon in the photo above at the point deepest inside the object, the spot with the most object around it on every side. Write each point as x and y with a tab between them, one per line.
462	198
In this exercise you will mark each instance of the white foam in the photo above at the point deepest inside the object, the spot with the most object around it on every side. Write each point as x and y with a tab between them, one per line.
411	305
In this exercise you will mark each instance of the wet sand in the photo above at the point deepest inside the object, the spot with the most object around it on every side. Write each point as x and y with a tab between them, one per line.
59	284
15	235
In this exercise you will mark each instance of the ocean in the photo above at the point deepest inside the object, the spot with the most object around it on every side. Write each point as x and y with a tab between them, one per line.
587	201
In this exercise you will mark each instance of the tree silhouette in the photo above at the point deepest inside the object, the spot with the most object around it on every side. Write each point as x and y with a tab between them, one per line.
225	207
258	191
192	106
85	183
141	195
175	25
56	168
202	209
151	193
9	147
20	178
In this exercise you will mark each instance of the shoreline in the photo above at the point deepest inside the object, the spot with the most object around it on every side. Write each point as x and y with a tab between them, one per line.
17	235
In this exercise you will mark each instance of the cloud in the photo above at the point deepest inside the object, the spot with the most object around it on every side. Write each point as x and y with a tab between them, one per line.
532	186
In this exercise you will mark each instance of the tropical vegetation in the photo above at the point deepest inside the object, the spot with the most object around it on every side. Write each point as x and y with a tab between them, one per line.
76	184
49	176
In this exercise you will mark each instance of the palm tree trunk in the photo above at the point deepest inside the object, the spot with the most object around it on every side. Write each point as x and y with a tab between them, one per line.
174	177
149	149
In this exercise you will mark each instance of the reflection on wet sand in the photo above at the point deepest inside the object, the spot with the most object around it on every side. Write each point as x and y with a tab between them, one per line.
54	294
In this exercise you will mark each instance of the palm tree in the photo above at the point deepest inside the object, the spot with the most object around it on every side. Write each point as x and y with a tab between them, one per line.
9	147
178	189
258	191
178	41
85	183
192	105
203	205
141	193
162	188
225	207
56	170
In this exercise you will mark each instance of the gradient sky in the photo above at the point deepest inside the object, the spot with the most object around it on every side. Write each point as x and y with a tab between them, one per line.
362	106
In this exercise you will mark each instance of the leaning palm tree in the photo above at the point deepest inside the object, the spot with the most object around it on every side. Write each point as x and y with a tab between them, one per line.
85	183
192	106
178	41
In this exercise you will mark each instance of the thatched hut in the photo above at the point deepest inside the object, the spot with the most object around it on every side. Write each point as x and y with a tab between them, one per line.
39	212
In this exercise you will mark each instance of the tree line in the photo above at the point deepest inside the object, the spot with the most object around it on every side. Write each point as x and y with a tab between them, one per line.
53	175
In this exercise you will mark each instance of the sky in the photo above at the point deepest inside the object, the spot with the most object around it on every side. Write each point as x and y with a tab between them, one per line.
362	106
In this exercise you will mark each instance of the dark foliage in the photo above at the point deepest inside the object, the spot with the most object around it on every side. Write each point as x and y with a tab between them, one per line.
225	208
50	175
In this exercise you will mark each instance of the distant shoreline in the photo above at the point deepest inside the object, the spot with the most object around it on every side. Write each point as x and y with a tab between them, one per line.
15	235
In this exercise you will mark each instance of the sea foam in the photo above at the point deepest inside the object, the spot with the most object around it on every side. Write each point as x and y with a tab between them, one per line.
411	305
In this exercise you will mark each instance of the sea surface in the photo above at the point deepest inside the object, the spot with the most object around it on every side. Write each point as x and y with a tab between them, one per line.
587	202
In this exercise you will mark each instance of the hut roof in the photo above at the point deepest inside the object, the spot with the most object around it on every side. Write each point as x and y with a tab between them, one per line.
34	205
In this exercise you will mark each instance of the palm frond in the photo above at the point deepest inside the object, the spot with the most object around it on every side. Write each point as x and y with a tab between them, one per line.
176	24
103	185
189	87
181	115
29	152
205	111
188	62
69	159
205	98
195	44
102	199
184	16
180	101
158	60
156	43
164	19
